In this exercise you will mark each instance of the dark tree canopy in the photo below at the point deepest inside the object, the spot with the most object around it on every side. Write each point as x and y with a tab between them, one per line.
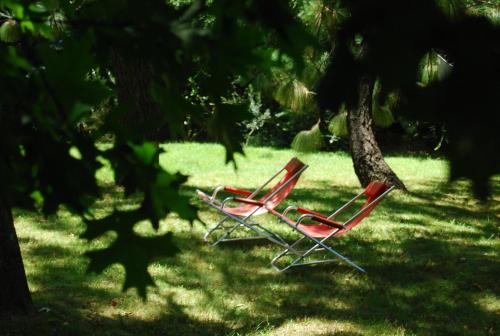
57	68
397	35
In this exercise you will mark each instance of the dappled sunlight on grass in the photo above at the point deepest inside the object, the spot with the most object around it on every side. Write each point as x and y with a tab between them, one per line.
431	258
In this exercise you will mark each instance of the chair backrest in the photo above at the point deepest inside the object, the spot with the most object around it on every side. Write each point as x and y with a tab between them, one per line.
371	192
280	191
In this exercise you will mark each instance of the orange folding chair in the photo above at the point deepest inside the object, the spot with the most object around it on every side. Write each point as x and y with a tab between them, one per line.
249	205
317	228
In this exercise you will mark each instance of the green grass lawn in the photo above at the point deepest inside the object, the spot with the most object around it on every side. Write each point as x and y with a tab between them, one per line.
431	258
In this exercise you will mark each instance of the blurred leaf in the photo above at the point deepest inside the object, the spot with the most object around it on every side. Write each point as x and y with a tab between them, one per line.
224	127
166	198
140	252
37	7
28	25
78	111
117	221
16	8
17	60
147	152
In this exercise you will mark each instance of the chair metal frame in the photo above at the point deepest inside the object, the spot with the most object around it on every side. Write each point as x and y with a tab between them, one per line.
246	221
320	243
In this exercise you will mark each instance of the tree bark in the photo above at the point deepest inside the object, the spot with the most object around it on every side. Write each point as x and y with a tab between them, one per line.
369	164
14	293
134	78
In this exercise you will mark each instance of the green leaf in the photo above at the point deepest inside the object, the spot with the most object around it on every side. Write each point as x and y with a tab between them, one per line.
78	111
134	253
165	197
27	26
45	30
117	221
147	152
17	60
16	8
224	127
10	31
37	198
37	7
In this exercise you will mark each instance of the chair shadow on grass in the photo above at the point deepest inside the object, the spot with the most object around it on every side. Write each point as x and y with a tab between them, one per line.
422	278
426	280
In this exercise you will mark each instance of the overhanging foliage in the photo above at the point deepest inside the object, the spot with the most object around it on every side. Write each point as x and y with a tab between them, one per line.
58	69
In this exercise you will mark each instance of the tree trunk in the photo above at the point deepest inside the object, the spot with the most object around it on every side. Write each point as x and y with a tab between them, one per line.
134	78
367	158
14	293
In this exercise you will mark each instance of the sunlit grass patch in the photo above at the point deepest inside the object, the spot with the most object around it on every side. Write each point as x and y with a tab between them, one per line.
431	256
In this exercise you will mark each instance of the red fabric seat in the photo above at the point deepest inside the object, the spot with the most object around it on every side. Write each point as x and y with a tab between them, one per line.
249	204
314	230
317	228
372	191
290	179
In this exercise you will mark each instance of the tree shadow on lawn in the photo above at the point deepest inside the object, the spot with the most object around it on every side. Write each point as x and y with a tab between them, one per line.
427	295
421	277
70	302
425	277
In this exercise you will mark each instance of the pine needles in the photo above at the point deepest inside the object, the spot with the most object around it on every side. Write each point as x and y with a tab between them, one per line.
309	140
338	125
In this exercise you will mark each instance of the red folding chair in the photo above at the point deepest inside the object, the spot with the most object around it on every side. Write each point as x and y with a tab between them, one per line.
249	205
317	228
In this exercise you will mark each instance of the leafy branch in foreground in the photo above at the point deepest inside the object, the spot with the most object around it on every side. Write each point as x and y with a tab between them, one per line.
61	60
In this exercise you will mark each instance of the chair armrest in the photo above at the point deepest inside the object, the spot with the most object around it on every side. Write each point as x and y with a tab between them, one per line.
216	191
248	201
309	212
327	222
288	209
237	191
240	200
319	219
300	210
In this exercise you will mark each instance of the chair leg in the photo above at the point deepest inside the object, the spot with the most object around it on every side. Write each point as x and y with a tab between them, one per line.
216	227
226	234
257	228
240	222
318	243
261	232
338	255
284	253
266	233
226	231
